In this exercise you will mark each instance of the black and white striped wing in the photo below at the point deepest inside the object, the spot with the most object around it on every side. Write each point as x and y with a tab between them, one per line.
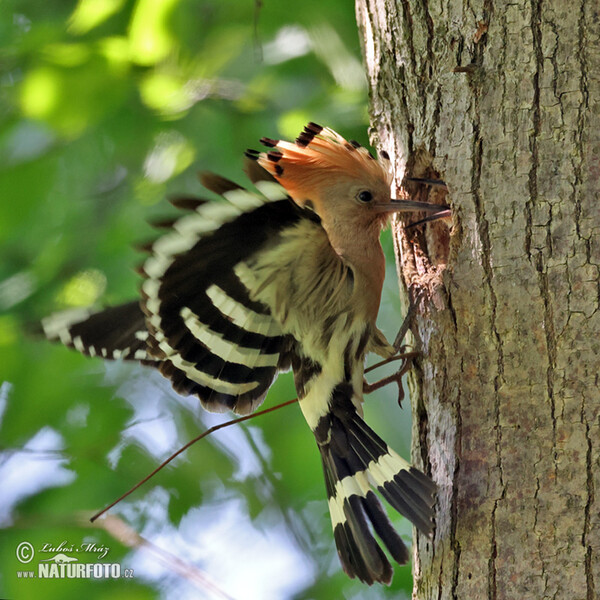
212	339
118	332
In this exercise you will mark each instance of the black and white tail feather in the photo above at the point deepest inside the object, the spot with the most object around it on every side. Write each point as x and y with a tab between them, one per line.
356	461
200	324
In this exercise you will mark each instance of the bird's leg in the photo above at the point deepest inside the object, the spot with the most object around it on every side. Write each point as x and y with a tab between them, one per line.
396	377
406	325
400	354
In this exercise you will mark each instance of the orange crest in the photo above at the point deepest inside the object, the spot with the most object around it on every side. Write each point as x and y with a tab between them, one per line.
317	157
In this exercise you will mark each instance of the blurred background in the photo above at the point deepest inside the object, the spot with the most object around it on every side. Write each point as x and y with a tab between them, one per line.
106	107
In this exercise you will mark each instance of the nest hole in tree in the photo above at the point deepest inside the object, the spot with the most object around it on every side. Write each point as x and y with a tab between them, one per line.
425	248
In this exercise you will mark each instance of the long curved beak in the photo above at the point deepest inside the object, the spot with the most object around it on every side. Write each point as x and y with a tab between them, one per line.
411	206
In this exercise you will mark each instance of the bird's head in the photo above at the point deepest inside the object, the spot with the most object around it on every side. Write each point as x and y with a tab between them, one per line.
339	180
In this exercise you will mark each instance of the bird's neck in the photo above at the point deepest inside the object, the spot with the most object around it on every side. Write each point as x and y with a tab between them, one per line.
363	253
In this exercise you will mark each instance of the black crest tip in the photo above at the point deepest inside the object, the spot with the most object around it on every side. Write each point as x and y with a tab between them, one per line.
308	134
269	142
274	156
304	140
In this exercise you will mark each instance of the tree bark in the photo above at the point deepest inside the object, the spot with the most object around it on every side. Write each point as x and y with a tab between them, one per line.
502	102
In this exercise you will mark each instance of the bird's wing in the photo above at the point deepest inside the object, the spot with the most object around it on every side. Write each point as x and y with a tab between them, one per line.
197	321
118	332
212	338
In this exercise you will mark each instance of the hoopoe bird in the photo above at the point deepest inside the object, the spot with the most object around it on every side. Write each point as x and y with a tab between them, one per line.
289	276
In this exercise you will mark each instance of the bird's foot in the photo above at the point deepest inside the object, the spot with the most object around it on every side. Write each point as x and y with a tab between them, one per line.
406	358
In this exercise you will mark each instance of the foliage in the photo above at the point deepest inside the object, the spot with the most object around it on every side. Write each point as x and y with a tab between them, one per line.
107	107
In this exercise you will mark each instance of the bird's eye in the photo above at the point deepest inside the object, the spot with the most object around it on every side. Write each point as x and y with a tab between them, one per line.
364	196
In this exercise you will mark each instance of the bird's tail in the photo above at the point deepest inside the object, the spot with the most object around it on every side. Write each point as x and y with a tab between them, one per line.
356	460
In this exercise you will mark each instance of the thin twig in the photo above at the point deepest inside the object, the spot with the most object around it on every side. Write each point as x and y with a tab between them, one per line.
222	426
183	448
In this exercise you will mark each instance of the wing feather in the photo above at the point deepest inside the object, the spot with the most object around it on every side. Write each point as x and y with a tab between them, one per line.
118	332
212	339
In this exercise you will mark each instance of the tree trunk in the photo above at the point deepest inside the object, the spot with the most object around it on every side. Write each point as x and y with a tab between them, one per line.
502	102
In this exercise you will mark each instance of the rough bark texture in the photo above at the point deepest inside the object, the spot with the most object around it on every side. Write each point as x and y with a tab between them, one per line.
506	397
